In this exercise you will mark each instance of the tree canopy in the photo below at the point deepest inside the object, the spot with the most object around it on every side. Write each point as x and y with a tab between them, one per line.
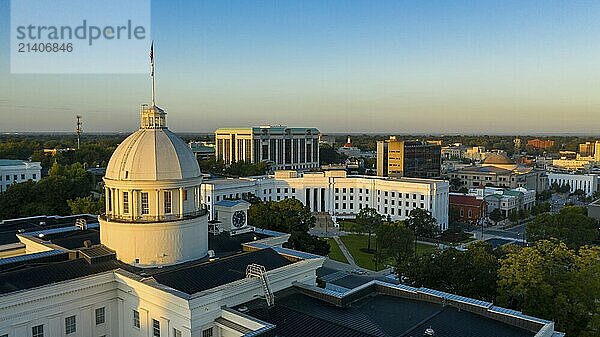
422	223
551	281
47	196
571	226
369	220
288	216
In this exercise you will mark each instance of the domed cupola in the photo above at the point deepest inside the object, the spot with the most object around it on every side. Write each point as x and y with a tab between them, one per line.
153	214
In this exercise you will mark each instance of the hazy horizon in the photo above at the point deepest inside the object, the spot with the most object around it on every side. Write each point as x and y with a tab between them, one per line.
352	67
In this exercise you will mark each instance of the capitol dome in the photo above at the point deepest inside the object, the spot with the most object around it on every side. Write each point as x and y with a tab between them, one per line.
152	154
499	160
154	215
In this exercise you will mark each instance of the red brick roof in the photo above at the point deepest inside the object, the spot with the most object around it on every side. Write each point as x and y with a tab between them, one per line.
465	200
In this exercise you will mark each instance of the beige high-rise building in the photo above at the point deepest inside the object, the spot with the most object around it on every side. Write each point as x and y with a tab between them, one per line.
286	148
587	149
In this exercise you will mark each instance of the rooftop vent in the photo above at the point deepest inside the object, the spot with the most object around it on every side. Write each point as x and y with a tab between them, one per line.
429	332
81	223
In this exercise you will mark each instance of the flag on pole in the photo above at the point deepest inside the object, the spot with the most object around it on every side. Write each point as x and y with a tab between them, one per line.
152	58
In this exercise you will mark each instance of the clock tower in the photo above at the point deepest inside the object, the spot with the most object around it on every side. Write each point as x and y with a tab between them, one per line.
232	216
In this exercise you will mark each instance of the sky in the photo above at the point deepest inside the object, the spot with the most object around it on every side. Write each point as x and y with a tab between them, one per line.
443	67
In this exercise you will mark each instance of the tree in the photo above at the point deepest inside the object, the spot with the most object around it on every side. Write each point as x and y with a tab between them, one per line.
86	205
328	155
422	223
513	217
289	216
571	226
455	184
395	242
541	208
471	273
285	216
308	243
496	216
544	195
369	220
551	281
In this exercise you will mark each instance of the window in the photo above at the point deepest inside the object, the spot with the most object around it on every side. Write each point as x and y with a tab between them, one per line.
185	195
7	177
167	202
145	206
70	325
176	333
136	319
15	177
37	331
125	202
22	176
155	328
207	332
100	316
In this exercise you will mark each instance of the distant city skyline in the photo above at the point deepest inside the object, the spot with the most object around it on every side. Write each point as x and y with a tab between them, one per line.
401	67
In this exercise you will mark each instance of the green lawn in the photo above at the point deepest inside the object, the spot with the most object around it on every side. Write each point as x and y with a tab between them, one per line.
354	242
335	253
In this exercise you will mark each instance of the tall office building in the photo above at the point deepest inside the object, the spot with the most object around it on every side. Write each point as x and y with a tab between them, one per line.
587	149
286	148
411	158
382	158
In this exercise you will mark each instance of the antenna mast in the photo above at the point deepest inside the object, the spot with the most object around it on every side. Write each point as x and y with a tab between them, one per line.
78	130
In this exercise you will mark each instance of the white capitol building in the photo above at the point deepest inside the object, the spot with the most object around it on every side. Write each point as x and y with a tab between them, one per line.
148	266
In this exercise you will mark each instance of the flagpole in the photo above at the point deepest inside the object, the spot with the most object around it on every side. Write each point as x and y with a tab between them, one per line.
152	70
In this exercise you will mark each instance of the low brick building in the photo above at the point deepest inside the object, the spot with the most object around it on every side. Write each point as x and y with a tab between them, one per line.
468	208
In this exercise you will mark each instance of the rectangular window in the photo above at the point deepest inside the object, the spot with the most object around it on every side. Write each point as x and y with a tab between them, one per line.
125	202
207	332
145	205
100	316
185	195
155	328
176	333
22	177
136	319
70	325
167	202
37	331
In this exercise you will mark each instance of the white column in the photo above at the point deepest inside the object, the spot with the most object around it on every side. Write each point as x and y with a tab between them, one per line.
181	202
157	203
134	204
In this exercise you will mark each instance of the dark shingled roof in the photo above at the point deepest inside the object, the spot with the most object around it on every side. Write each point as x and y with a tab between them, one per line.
298	315
31	276
10	228
194	278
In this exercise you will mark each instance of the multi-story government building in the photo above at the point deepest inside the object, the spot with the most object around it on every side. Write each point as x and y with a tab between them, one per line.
497	170
284	147
338	194
18	171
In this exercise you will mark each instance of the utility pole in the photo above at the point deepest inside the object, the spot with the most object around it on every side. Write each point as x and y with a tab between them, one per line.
78	130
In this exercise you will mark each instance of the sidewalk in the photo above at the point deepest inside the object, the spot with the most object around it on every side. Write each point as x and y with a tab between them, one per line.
345	251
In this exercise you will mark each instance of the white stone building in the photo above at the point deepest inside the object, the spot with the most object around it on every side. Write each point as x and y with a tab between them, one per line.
589	183
18	171
337	193
286	148
507	200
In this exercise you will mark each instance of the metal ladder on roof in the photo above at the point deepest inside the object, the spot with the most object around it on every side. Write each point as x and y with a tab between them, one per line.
257	270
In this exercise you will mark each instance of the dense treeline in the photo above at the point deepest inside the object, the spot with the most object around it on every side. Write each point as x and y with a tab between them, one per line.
569	143
49	196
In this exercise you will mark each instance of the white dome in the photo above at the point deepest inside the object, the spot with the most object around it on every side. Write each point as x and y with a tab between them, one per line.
152	154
